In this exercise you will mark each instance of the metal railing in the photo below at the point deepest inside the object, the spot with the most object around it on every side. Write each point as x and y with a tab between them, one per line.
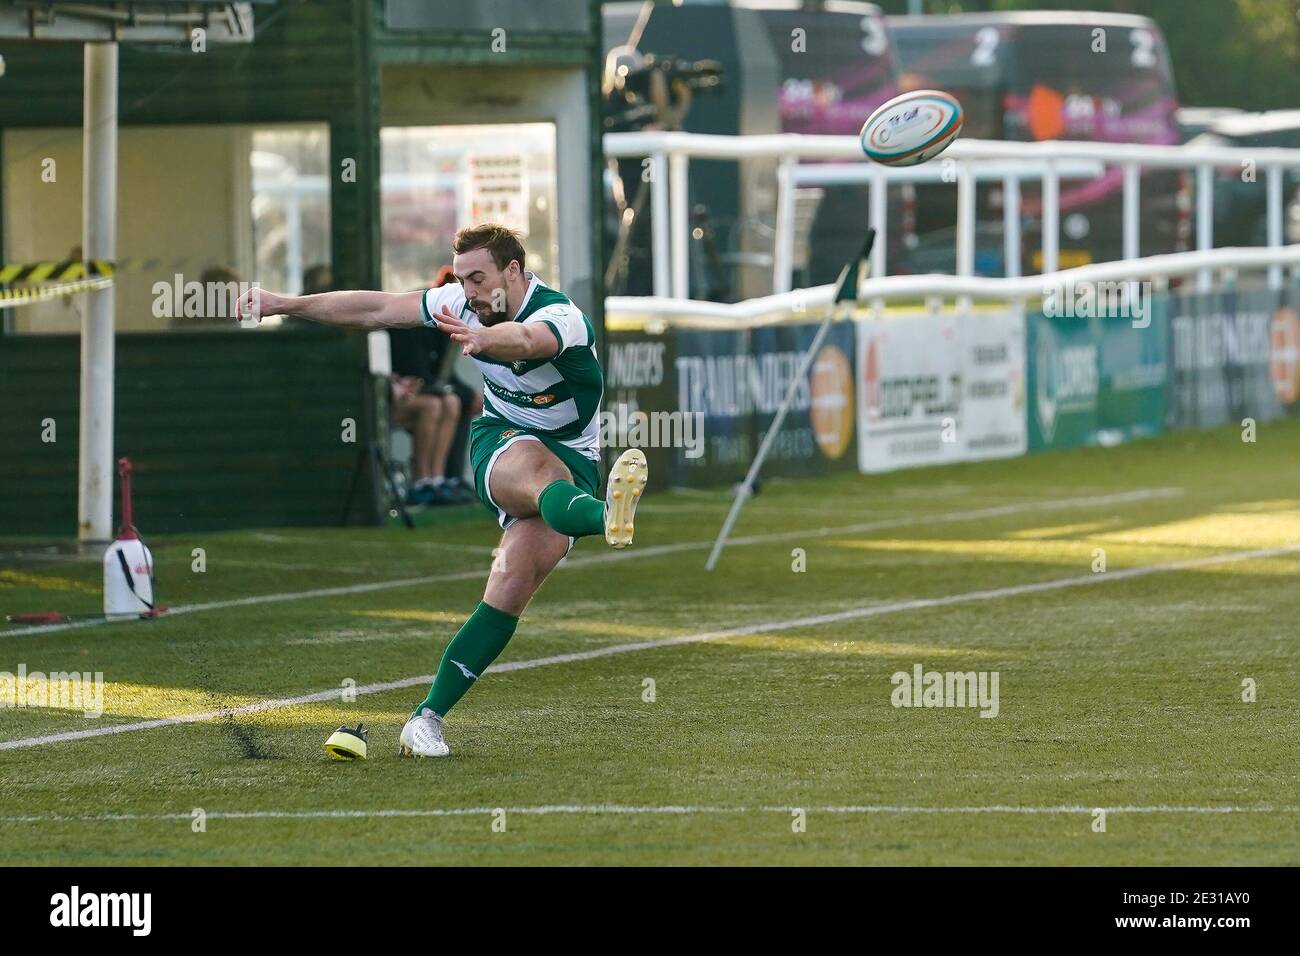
780	307
670	153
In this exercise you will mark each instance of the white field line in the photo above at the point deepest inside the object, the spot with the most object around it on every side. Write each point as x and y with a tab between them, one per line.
998	511
857	613
618	810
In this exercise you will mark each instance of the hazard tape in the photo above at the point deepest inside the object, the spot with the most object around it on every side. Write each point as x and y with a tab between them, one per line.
70	270
39	293
40	273
40	281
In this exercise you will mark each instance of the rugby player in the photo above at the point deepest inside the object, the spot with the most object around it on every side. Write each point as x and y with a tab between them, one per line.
534	450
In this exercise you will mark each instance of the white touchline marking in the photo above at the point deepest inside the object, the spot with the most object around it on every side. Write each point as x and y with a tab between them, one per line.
875	610
616	809
655	551
449	546
468	575
870	610
281	566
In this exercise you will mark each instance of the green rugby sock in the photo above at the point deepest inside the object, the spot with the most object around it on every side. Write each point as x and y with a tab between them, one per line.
476	645
568	509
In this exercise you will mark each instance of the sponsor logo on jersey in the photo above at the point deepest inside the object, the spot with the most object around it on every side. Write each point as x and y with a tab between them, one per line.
516	397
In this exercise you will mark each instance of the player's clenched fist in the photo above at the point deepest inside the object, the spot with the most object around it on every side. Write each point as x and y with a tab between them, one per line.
256	304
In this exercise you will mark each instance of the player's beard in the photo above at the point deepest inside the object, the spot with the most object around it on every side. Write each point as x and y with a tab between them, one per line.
486	314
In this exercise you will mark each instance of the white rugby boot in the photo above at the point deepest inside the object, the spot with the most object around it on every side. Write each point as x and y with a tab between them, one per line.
627	480
422	736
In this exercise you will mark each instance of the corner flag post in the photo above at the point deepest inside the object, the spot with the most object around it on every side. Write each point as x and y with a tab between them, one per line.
846	291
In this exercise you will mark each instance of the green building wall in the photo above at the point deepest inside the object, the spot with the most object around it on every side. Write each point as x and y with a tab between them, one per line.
229	429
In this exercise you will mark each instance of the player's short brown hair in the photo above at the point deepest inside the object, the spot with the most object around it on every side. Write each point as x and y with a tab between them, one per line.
501	242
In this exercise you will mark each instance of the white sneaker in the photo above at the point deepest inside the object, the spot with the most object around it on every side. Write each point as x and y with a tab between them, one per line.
422	736
627	480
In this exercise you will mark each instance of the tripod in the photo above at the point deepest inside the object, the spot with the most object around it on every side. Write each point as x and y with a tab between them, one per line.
372	451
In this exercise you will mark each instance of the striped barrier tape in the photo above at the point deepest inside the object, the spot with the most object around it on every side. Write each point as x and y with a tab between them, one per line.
40	281
39	293
39	273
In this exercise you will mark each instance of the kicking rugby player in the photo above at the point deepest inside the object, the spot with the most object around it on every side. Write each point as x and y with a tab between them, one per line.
534	449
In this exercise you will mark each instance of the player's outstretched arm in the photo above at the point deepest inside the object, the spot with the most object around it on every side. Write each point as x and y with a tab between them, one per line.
506	342
355	310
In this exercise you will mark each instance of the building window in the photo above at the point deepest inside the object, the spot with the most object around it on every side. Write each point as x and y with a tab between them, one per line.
437	179
201	212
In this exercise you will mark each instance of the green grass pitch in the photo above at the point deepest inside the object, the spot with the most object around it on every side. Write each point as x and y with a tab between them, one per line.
1117	690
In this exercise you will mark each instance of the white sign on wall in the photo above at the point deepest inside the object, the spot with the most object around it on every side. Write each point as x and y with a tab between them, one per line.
497	189
939	389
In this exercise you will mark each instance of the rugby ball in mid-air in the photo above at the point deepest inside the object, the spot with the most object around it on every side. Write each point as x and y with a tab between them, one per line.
912	128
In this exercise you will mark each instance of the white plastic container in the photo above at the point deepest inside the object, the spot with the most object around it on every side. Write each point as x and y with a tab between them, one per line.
128	578
128	565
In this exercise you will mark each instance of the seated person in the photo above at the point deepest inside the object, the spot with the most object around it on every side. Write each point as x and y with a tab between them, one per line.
430	402
430	413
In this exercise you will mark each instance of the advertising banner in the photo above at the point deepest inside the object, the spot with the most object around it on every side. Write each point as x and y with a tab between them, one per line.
940	389
936	389
703	399
992	423
818	434
639	378
1096	380
1234	354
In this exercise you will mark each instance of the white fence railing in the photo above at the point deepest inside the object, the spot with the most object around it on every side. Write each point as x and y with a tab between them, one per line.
670	152
781	306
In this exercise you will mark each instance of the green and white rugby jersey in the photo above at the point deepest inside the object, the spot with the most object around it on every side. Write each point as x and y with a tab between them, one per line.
558	396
